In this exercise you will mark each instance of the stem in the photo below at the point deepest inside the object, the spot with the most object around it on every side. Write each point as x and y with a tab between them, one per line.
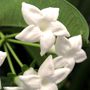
23	43
9	60
2	39
1	42
11	35
2	35
14	55
33	63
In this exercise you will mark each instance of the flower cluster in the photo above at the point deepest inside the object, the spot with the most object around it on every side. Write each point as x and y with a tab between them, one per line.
44	27
46	78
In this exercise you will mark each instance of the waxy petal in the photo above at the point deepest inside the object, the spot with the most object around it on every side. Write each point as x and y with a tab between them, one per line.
58	62
80	56
31	14
47	40
30	82
76	42
2	57
52	49
60	74
47	68
29	34
13	88
50	13
61	62
49	86
58	29
30	71
62	46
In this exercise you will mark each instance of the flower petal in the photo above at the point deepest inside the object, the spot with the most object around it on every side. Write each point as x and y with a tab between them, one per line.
29	34
61	62
50	13
62	46
58	62
30	82
2	57
18	81
52	50
13	88
47	68
30	71
49	86
31	14
80	56
47	40
60	74
76	42
58	29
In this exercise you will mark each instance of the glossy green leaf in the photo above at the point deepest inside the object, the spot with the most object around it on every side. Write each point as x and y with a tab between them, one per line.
10	15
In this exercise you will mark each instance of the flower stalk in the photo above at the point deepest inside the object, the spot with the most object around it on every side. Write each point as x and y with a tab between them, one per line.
14	55
11	35
9	60
2	38
23	43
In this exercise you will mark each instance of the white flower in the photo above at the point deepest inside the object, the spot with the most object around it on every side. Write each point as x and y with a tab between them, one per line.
43	26
2	57
70	50
47	77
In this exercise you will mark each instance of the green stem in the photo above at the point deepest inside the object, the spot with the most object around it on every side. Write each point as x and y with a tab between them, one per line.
2	39
1	42
11	35
33	63
9	60
2	35
23	43
14	55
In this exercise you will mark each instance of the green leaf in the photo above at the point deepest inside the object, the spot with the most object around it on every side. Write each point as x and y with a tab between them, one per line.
10	15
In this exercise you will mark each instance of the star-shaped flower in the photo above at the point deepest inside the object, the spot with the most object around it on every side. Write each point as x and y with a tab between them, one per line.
47	77
2	57
43	26
70	51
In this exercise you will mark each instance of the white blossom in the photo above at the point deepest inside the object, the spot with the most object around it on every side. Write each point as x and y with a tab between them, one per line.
47	77
43	26
2	57
70	51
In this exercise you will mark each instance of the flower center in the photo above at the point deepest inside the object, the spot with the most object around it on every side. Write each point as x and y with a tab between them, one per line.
43	24
45	81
